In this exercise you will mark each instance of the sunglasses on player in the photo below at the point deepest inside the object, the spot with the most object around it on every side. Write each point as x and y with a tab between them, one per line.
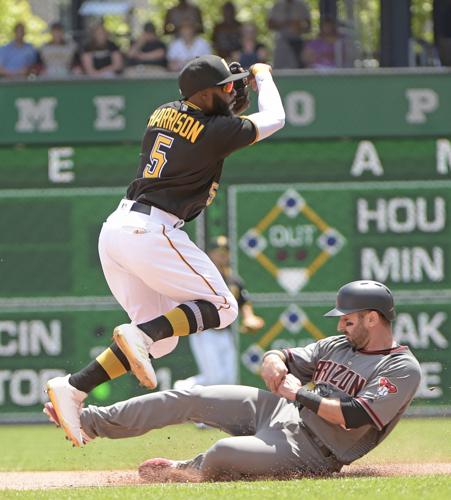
227	87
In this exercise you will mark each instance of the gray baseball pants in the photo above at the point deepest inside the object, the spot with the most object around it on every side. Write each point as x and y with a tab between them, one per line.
269	438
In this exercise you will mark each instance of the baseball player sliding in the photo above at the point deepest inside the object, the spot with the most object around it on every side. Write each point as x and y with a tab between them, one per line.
331	402
165	283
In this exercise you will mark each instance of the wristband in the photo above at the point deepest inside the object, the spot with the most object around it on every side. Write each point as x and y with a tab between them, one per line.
275	352
308	399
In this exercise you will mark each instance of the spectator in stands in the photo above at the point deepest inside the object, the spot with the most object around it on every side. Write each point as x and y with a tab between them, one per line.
57	56
320	52
148	52
251	51
289	19
17	58
183	13
442	30
227	33
186	47
101	56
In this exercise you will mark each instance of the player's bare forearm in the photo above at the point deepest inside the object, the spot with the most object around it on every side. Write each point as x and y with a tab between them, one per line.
273	369
289	387
330	410
250	322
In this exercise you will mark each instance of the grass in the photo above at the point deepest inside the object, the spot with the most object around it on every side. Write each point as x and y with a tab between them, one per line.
413	440
22	448
42	447
431	487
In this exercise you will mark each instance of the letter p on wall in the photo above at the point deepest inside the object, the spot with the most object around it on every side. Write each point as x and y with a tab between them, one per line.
420	103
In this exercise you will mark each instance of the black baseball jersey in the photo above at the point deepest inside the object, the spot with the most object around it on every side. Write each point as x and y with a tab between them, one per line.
181	158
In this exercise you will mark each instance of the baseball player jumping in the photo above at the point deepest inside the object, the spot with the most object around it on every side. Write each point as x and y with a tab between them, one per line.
165	283
331	402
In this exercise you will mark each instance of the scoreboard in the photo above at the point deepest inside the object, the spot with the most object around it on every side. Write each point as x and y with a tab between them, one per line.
56	311
347	210
357	187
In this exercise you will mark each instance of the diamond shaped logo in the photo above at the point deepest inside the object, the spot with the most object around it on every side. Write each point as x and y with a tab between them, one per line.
253	243
293	318
291	202
252	358
331	241
278	244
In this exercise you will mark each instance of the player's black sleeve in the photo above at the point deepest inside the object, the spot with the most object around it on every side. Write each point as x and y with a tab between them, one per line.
227	134
354	414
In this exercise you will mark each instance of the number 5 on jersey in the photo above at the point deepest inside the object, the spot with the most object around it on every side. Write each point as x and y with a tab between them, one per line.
157	156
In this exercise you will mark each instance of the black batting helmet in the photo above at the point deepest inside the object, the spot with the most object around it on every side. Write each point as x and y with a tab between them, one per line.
364	295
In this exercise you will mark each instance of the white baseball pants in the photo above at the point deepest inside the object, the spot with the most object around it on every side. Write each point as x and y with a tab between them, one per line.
152	266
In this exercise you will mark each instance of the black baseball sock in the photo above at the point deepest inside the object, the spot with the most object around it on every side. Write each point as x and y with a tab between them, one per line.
108	365
190	317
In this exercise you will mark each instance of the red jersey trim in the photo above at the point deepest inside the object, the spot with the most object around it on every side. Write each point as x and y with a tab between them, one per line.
384	352
371	413
288	354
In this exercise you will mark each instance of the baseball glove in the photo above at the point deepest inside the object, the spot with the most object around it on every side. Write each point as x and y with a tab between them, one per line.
242	101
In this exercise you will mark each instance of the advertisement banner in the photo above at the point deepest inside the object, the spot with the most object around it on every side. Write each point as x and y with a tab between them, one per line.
362	104
423	326
36	346
294	245
56	311
305	239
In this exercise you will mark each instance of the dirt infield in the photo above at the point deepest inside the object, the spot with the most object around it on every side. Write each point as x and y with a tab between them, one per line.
66	479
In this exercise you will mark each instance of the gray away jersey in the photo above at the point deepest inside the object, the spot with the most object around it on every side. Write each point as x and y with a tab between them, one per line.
383	382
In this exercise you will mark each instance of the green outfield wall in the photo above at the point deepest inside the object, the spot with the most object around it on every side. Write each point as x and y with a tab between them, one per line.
340	104
359	192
